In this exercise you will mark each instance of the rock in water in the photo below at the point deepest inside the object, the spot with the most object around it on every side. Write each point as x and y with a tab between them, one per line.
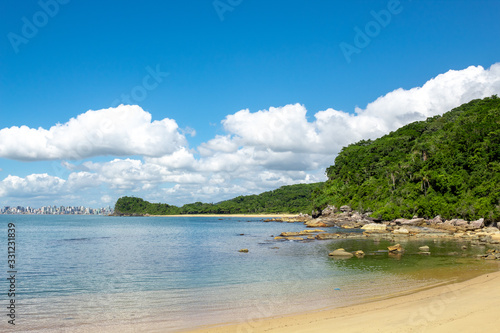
395	248
359	254
374	227
424	248
324	236
341	253
315	224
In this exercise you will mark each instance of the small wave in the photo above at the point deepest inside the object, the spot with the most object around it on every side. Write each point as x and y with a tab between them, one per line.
82	239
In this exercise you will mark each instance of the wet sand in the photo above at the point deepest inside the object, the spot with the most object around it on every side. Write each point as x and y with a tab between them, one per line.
468	306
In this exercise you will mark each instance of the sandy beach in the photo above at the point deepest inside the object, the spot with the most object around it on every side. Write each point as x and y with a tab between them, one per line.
469	306
229	215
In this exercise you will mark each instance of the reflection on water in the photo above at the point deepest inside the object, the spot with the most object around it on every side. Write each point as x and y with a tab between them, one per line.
185	272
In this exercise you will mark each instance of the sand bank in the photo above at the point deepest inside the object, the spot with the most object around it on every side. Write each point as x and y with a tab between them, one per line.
469	306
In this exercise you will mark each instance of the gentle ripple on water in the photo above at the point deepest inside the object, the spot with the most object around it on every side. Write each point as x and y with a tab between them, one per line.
185	272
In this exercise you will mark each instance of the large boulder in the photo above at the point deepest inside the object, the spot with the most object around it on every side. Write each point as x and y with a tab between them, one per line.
461	223
374	228
436	220
356	216
478	224
341	253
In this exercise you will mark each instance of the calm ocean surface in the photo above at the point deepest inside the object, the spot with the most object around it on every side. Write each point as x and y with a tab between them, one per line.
87	272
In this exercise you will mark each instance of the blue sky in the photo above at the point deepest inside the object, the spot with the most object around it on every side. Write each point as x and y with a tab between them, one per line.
199	64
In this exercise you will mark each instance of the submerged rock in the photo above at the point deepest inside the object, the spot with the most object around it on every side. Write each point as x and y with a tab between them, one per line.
424	248
288	234
325	235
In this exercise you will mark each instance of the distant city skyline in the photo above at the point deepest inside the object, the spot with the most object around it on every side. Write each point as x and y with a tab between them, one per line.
56	210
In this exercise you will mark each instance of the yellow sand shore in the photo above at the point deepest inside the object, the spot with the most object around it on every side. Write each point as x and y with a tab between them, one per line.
228	215
469	306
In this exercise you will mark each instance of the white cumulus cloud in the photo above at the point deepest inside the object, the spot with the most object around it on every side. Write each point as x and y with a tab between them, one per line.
122	131
287	129
259	150
32	185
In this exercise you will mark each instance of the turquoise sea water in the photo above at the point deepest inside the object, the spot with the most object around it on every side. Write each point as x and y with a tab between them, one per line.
86	272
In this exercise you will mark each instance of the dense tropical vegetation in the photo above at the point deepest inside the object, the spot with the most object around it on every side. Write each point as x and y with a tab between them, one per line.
447	165
286	199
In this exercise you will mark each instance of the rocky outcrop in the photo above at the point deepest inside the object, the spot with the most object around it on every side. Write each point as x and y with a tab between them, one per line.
329	210
417	227
345	209
474	225
401	231
299	218
374	228
412	222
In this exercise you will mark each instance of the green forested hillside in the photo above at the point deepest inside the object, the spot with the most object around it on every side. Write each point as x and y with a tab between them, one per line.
286	199
447	165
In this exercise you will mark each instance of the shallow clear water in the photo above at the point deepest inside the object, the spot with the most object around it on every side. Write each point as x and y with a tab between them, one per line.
187	271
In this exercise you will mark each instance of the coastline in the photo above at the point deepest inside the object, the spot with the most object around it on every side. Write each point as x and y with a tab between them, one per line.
465	306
